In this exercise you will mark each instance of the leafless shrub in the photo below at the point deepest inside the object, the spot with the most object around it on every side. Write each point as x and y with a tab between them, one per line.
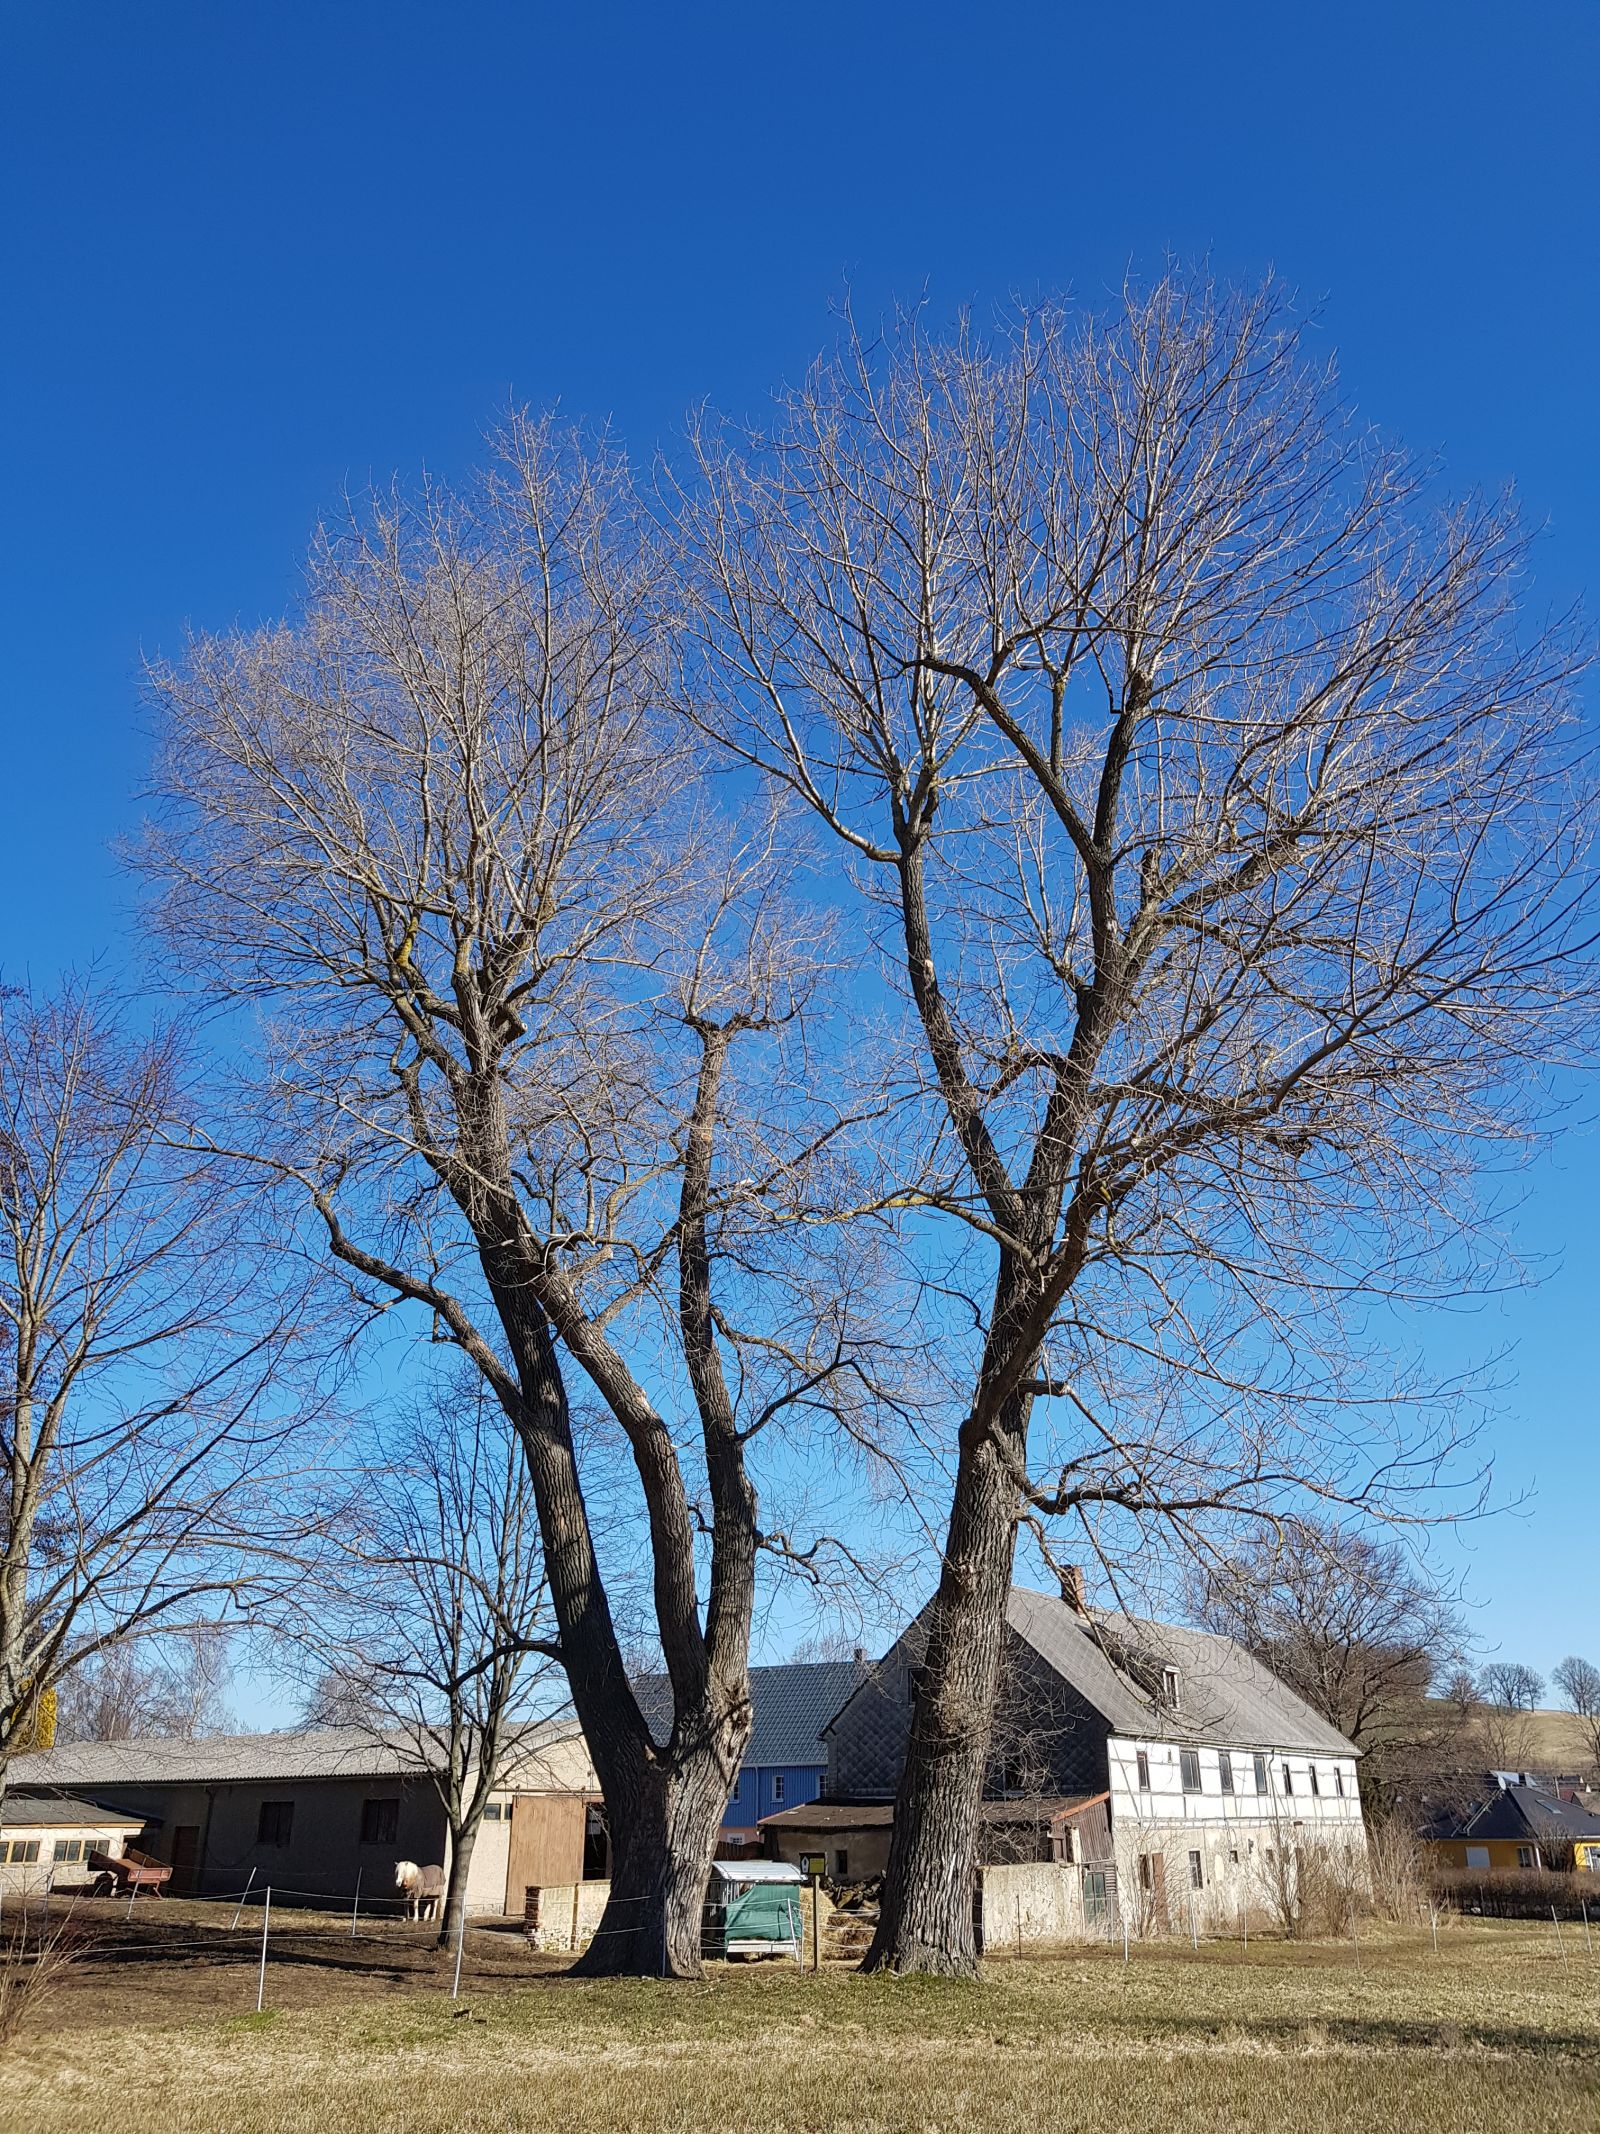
30	1971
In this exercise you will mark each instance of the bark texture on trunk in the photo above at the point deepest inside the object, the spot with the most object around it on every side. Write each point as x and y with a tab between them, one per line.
925	1918
661	1859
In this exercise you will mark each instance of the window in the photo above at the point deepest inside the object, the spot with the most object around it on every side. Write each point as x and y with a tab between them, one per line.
1189	1765
1147	1870
1225	1770
275	1822
22	1851
493	1812
841	1864
69	1848
1338	1780
1261	1774
380	1824
1096	1897
1477	1855
1288	1779
1143	1760
1233	1856
1169	1687
777	1785
1197	1871
1527	1856
1316	1783
1068	1842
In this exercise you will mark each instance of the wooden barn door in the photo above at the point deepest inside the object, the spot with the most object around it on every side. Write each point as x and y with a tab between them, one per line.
546	1844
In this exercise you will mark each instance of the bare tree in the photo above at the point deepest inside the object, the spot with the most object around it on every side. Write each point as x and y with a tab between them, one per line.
1578	1682
1228	845
541	1065
142	1328
174	1685
1353	1624
424	1619
1510	1694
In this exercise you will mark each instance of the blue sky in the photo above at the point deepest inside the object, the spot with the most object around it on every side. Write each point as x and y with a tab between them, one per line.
254	255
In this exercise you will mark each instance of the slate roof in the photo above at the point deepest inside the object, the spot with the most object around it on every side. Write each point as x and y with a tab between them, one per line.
61	1811
221	1759
1224	1694
792	1703
1521	1812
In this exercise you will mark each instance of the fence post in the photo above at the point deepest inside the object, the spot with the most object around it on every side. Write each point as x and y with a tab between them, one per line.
1194	1931
1560	1944
816	1923
1587	1943
461	1942
249	1885
266	1920
1124	1910
356	1905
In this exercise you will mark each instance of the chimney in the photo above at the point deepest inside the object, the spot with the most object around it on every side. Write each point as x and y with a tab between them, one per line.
1071	1577
860	1656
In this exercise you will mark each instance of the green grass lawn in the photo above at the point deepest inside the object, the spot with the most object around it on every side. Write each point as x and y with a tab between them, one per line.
1495	2033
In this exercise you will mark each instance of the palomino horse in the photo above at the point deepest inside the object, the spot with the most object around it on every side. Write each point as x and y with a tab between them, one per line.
423	1888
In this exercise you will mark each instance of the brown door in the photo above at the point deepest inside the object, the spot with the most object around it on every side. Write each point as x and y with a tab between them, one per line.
185	1850
546	1844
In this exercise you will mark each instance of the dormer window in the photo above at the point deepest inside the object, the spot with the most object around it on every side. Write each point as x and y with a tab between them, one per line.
1169	1688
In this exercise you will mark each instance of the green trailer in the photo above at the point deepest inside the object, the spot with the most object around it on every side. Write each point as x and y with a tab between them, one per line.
753	1909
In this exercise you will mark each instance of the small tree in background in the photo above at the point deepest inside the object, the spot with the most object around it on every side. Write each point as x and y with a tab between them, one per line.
1578	1682
424	1618
145	1324
1510	1694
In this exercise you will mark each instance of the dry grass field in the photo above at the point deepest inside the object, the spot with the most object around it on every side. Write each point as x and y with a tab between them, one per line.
1497	2032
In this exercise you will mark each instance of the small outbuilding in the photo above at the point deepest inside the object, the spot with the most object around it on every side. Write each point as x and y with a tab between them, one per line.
753	1909
47	1840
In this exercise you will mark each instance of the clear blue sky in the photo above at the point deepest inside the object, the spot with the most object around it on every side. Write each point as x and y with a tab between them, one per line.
255	254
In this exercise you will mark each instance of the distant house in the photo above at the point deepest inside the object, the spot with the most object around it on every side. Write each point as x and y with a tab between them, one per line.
786	1763
46	1840
321	1812
1520	1826
1209	1776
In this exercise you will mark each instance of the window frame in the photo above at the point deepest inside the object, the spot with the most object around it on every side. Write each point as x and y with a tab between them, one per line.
1288	1780
371	1820
278	1817
1189	1767
1263	1775
1225	1769
1141	1766
1197	1868
777	1785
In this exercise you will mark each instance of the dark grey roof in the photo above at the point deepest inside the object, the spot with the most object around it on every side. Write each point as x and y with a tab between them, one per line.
58	1811
1524	1811
792	1704
1224	1695
220	1759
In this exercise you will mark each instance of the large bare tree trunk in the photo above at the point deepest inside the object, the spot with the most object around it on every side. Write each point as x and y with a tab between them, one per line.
925	1919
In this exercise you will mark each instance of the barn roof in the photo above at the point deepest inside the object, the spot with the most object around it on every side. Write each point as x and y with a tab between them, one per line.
1115	1663
221	1759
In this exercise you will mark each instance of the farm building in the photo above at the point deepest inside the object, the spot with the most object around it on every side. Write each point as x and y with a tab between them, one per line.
1520	1827
1211	1776
46	1841
786	1763
322	1811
